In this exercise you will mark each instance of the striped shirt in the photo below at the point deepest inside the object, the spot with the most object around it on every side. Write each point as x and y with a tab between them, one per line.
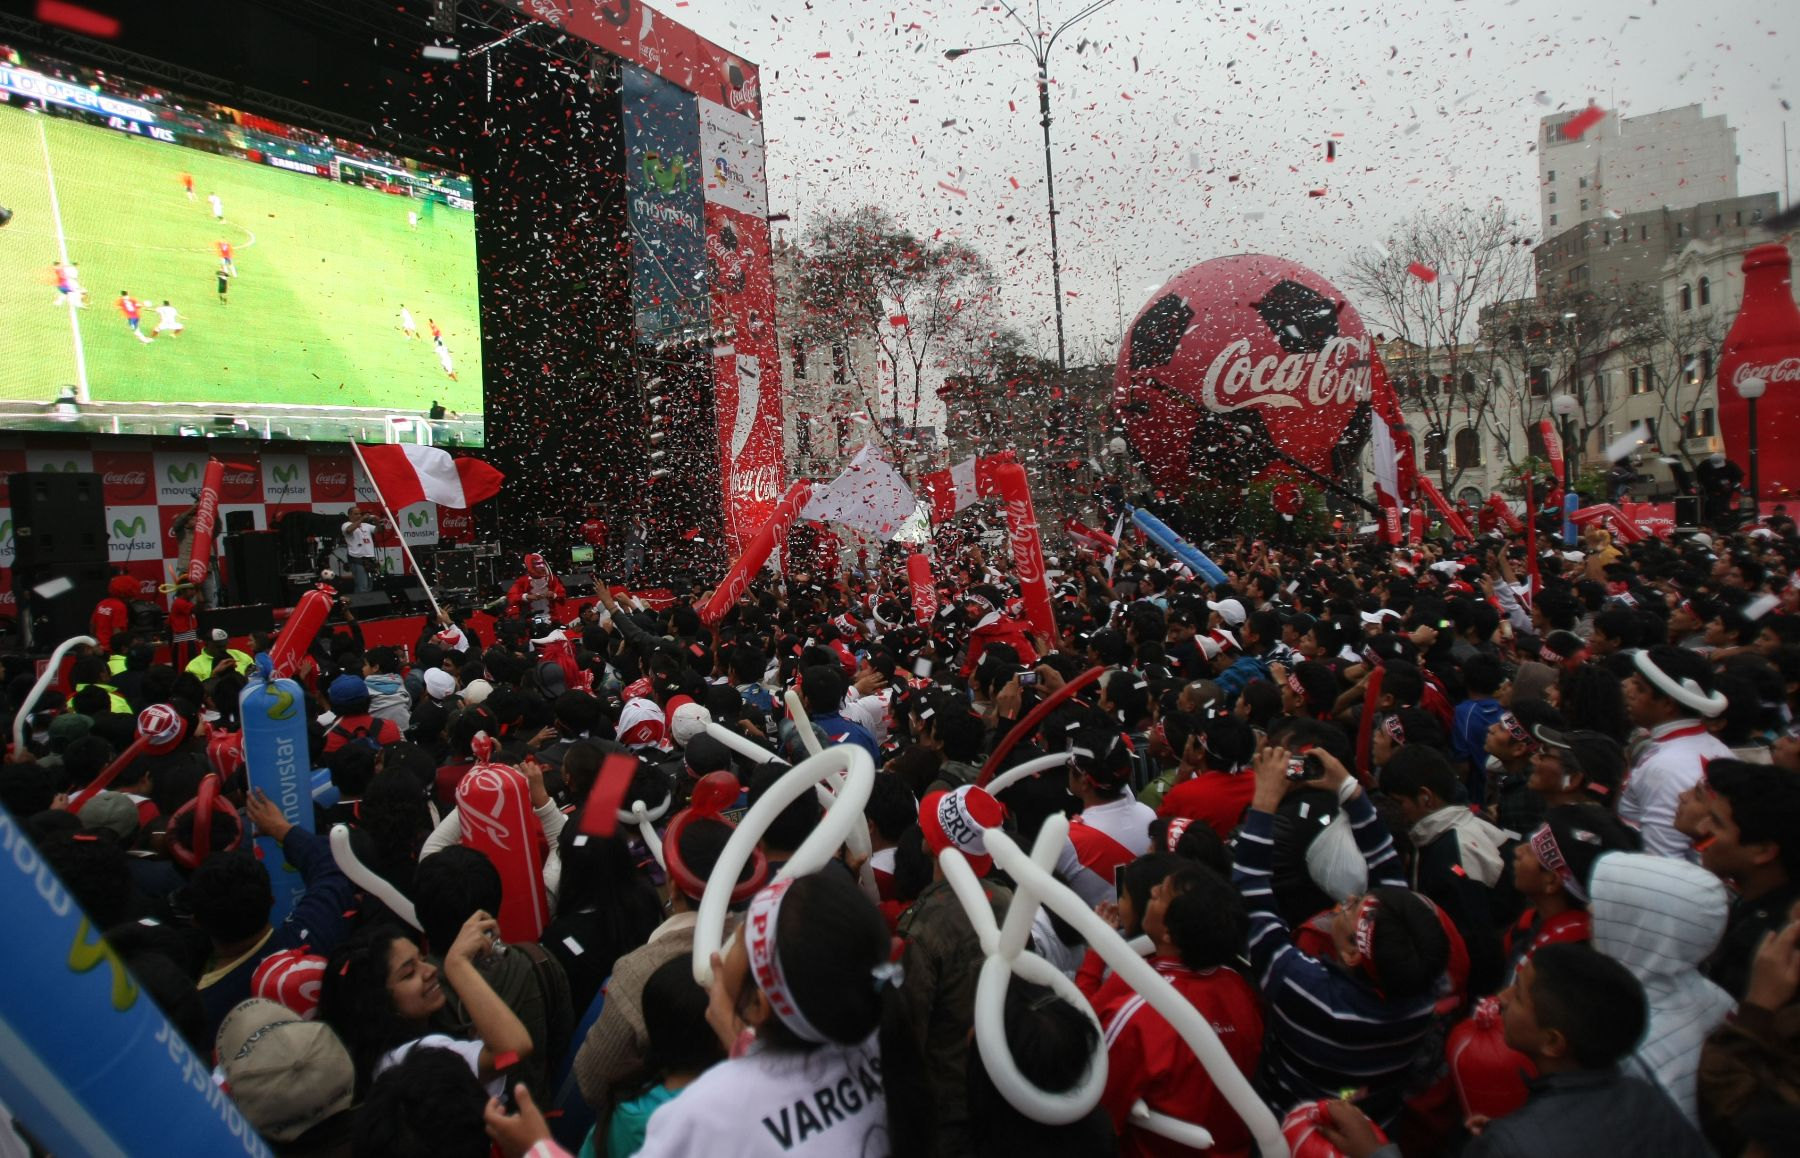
1328	1028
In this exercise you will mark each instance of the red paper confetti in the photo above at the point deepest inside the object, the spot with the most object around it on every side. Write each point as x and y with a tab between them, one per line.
821	56
78	19
1315	192
896	319
600	815
949	188
1581	122
1423	272
1015	182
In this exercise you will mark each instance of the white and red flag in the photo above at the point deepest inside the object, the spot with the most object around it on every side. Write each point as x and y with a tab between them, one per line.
406	473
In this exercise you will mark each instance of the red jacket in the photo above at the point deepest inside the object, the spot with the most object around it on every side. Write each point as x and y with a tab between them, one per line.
997	629
1216	798
110	615
1146	1058
365	726
519	593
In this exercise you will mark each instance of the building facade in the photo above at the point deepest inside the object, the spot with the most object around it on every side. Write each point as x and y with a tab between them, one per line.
825	416
1627	165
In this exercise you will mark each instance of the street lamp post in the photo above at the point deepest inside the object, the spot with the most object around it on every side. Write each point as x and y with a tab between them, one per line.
1751	389
1565	406
1039	46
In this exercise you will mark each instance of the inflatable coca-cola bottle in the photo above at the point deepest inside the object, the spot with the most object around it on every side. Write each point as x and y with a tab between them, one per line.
1764	343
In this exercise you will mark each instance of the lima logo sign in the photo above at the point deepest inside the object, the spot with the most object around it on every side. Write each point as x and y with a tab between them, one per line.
286	480
132	538
182	480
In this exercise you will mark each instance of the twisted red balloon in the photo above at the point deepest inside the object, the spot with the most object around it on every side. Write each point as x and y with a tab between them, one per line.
1035	717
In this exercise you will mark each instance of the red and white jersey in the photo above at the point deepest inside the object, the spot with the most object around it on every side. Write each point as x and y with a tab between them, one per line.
1146	1058
1668	766
1103	837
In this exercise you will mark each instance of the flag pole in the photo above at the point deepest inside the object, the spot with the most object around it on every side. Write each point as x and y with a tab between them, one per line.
437	612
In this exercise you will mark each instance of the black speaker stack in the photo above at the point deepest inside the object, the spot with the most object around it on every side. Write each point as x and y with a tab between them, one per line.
60	568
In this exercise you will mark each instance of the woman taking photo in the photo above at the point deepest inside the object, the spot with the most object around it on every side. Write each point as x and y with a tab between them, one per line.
380	994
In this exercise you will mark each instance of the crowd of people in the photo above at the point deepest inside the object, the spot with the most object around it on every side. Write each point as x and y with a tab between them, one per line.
1455	850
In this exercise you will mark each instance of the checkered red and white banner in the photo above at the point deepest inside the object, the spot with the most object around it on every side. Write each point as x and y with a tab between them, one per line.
150	481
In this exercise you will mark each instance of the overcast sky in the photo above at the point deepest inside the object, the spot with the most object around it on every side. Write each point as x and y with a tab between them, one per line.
1431	102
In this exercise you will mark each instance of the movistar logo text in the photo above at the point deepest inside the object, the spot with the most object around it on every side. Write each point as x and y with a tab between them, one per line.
129	530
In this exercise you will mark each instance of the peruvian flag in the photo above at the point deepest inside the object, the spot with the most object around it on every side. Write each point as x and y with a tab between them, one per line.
1387	479
406	473
1088	537
963	485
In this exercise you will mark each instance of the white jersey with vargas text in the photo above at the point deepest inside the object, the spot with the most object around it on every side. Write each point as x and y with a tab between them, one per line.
1103	837
827	1103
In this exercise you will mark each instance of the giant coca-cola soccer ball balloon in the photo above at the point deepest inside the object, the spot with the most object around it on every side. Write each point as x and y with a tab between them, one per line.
1239	362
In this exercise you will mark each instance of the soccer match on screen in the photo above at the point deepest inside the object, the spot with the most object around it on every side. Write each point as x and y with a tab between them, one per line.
170	265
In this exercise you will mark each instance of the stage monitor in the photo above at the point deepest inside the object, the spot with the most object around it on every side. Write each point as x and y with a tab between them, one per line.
581	555
181	268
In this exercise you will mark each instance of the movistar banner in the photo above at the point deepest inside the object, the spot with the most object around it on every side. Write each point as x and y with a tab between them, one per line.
666	204
88	1063
274	723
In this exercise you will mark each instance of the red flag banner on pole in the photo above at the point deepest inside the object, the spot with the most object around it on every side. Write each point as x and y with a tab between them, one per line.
407	473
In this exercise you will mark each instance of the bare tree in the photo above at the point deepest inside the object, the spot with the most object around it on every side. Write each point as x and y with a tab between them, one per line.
1561	342
862	275
1677	351
1428	289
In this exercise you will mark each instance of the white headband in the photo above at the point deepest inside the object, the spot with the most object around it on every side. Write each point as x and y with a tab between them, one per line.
1686	693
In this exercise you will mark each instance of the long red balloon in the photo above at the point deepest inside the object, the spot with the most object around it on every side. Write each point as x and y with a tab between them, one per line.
1008	481
924	589
206	521
756	553
298	633
1035	717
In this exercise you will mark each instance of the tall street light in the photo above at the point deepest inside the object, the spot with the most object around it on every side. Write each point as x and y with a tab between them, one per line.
1039	45
1750	389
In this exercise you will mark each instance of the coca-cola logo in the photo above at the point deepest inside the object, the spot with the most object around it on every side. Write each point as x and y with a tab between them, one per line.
762	485
126	478
745	95
1027	551
1786	370
338	479
239	478
1333	376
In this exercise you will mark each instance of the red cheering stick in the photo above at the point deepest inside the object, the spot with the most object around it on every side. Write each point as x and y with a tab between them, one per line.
200	837
160	730
297	635
1033	718
600	815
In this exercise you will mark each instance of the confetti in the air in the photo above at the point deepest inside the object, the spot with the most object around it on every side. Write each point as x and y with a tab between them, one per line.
1421	271
78	19
1581	122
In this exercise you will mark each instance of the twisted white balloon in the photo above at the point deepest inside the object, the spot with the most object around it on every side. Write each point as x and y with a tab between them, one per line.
52	669
1006	955
1032	767
842	818
366	879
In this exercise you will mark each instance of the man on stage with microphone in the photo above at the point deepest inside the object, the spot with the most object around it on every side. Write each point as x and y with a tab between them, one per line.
359	544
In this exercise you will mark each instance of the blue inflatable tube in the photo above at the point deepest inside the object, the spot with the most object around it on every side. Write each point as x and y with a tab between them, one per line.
1180	548
275	755
1571	504
88	1063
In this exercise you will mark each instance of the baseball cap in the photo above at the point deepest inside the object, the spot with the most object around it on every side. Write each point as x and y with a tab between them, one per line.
1598	757
115	812
286	1074
68	728
1230	610
347	689
291	978
218	635
439	684
477	692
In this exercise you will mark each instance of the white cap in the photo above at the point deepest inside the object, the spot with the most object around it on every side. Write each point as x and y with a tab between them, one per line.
689	720
1230	610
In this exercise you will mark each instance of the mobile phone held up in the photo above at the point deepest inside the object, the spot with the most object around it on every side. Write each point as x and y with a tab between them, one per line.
1305	767
1028	679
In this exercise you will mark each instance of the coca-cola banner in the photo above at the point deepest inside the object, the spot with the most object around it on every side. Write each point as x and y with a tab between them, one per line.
1764	346
1238	362
150	483
746	363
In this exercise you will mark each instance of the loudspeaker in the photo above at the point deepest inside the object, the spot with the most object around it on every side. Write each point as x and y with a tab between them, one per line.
253	572
46	622
236	621
59	520
238	522
1687	510
455	569
368	602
